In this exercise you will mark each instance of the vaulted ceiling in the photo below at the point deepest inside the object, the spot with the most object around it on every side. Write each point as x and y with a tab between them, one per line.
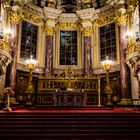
70	6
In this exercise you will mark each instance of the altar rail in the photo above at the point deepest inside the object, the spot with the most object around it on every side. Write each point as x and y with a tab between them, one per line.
47	88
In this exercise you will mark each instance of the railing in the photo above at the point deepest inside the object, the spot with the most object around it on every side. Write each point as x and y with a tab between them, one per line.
51	84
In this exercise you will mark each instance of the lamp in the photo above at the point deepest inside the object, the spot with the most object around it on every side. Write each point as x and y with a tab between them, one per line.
30	64
108	91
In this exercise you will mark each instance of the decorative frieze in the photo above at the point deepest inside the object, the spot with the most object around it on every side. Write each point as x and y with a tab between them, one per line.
106	19
32	18
68	17
68	25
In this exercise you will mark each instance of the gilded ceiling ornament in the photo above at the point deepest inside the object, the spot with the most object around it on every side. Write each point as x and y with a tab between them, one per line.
121	19
68	25
87	31
15	17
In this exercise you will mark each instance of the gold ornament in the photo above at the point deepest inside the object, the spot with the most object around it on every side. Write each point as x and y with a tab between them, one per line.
68	25
4	45
121	19
87	31
49	30
133	48
32	18
105	20
131	5
15	17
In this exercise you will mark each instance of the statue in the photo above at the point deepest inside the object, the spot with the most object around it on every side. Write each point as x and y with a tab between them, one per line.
135	78
137	69
69	73
3	61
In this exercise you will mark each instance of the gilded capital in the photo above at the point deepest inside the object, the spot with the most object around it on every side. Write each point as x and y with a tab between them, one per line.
87	31
87	27
15	17
4	45
50	26
49	30
50	22
121	19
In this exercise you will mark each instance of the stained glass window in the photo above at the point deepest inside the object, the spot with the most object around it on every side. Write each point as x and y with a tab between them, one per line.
108	42
68	47
28	40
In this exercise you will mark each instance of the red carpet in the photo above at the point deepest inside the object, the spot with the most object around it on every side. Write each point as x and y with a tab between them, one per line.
94	109
70	124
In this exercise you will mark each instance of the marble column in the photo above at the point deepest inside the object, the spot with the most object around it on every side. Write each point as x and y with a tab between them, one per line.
14	52
87	55
50	24
124	69
15	19
49	54
87	32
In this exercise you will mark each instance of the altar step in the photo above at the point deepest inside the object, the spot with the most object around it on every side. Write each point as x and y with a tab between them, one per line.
69	125
87	107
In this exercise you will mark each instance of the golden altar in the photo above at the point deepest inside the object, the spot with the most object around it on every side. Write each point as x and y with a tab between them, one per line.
68	90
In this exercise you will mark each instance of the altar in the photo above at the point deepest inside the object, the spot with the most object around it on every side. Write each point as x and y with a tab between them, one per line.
68	90
69	98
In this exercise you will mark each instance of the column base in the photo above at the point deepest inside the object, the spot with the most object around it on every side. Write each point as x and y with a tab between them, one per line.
125	101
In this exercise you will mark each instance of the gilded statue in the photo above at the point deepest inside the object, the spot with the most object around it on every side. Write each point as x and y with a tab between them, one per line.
69	73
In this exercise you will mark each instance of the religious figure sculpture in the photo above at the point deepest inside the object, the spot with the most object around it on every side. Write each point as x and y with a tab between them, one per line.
69	73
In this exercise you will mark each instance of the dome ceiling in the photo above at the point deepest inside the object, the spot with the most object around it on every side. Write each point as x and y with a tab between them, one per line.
70	6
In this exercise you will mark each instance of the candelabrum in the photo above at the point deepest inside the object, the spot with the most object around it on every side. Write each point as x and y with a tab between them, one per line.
30	64
7	93
108	90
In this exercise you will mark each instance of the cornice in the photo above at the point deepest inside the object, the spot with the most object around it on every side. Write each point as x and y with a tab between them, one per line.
33	9
51	12
27	7
105	11
86	13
